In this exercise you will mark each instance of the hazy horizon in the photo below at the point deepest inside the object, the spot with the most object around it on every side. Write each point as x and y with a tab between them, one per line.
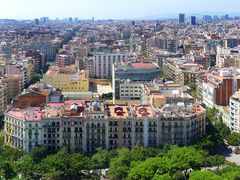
113	9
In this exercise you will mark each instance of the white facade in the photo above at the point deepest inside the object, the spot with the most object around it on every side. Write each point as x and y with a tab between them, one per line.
222	53
103	64
235	112
208	95
22	134
90	66
131	90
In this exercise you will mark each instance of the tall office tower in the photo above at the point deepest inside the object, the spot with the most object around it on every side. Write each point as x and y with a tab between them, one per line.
70	19
36	21
92	19
76	19
181	18
44	19
215	18
207	18
133	23
193	20
226	17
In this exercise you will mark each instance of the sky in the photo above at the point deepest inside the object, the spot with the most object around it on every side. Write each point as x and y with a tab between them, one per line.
113	9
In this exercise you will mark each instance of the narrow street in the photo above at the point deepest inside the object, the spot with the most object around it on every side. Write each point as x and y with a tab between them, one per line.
230	155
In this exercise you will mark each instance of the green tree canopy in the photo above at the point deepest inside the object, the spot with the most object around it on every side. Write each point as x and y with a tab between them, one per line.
6	170
26	167
216	160
36	78
152	167
103	157
203	175
119	166
38	153
70	165
234	139
185	158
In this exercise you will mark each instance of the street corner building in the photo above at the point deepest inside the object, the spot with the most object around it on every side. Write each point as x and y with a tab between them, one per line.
84	126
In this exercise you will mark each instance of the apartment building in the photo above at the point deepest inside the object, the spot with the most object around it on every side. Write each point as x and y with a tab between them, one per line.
182	72
159	56
201	78
64	59
234	107
220	86
147	91
232	41
163	41
39	60
3	98
86	63
232	61
83	126
48	48
206	60
171	70
89	65
154	92
103	63
23	68
13	86
130	89
67	79
228	57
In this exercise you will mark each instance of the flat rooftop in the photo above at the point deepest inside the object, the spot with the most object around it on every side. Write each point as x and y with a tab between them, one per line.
142	65
79	108
122	112
137	65
29	114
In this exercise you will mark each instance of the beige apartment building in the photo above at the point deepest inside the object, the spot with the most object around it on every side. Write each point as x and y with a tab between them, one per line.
184	73
67	79
3	98
83	126
13	85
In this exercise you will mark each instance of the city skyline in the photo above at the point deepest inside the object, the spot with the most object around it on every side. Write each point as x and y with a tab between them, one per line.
107	9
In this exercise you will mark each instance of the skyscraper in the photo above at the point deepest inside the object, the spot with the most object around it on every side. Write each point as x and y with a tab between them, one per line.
44	19
133	23
193	20
226	17
36	21
181	18
207	18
